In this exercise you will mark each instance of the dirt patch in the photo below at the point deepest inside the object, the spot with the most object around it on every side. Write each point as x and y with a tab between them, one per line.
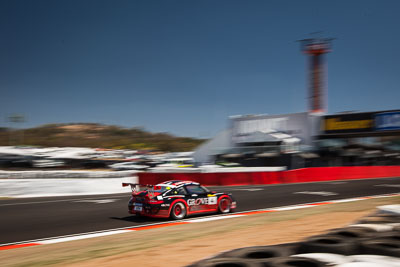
82	127
81	130
183	244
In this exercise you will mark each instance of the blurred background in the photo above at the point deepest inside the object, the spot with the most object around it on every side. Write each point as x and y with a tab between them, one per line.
97	83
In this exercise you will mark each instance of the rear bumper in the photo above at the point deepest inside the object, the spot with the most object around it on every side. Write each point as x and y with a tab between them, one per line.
154	211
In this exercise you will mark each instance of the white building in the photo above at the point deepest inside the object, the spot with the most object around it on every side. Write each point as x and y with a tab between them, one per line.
261	135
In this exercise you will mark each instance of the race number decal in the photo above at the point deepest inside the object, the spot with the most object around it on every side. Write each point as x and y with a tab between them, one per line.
212	200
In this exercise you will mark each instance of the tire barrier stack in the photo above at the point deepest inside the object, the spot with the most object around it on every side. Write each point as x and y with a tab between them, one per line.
373	241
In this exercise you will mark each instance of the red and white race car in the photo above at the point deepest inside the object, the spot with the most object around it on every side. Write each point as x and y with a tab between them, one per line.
177	199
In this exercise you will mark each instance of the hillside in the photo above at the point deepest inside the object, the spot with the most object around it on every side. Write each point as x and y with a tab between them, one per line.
96	135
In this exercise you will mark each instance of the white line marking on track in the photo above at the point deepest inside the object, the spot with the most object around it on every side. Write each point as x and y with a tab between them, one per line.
319	193
214	218
79	237
291	208
348	200
96	201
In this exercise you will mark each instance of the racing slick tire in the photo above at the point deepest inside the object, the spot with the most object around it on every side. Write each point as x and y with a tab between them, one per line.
224	205
329	244
352	232
296	261
381	246
178	211
392	235
232	262
260	252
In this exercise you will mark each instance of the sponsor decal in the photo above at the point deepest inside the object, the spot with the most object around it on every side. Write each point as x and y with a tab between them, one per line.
202	201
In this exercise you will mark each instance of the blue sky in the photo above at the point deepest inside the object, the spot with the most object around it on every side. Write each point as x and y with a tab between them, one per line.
184	66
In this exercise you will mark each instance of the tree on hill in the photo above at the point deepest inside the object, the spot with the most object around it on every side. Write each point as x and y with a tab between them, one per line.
98	135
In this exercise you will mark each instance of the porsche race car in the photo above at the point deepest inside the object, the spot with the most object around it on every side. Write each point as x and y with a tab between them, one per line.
177	199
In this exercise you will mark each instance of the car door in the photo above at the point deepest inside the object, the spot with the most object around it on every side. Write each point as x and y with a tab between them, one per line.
199	199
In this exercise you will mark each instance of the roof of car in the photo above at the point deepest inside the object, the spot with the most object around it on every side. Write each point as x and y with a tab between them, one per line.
178	182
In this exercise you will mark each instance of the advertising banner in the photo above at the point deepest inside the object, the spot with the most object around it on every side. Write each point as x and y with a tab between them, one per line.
348	123
296	125
387	121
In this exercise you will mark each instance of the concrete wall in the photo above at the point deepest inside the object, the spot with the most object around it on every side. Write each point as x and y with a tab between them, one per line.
275	177
23	184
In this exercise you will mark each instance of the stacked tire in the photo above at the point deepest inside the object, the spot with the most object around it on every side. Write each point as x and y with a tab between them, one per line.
372	241
267	256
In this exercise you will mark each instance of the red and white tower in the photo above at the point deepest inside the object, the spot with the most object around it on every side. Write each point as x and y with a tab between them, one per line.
316	48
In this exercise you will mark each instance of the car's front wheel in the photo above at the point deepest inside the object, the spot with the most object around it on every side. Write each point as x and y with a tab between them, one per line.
224	205
178	211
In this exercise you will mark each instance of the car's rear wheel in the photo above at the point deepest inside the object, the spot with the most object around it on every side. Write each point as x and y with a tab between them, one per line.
224	205
178	211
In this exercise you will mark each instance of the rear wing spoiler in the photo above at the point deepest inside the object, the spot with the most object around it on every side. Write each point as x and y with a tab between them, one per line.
134	187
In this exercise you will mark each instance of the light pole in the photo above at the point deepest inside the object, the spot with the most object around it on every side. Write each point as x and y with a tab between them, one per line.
17	118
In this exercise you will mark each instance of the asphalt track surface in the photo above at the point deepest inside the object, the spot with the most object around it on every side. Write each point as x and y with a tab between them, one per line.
26	219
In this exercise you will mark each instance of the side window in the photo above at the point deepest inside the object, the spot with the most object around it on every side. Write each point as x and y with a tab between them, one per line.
176	191
181	191
195	189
